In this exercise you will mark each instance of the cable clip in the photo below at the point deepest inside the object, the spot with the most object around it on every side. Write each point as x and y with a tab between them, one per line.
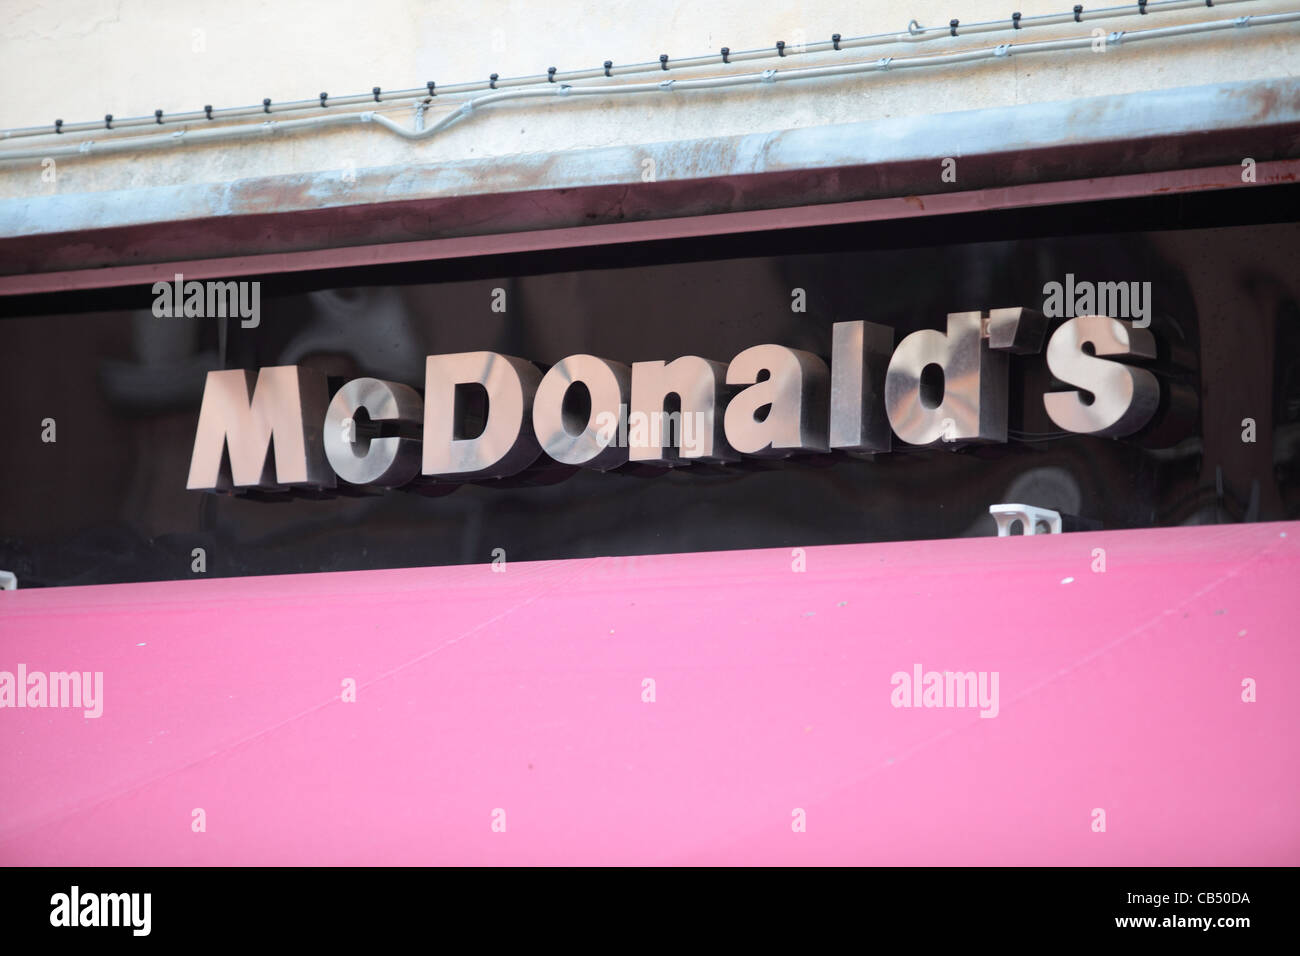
726	52
431	86
266	105
608	65
1015	19
108	121
1116	38
663	60
208	110
1142	7
1002	49
884	62
952	26
767	76
492	81
835	40
374	91
58	126
563	89
85	147
1241	22
1078	12
323	98
550	74
780	48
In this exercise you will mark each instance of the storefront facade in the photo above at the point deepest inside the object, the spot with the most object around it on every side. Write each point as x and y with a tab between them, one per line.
930	293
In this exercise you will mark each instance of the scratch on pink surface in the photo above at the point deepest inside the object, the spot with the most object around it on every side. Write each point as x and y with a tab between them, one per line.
772	693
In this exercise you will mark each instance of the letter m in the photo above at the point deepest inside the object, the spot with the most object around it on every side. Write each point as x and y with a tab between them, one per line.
121	909
1112	300
960	688
223	299
243	415
65	689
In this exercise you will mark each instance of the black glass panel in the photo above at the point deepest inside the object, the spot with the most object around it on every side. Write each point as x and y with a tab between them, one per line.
106	500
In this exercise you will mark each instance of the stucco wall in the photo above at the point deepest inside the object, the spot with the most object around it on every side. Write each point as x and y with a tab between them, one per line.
80	59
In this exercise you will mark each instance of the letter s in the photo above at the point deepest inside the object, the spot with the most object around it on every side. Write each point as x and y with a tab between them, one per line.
1123	398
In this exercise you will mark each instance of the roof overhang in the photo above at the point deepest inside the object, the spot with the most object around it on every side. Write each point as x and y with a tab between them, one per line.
1053	150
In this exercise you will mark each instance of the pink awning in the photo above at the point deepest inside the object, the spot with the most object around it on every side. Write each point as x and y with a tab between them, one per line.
519	697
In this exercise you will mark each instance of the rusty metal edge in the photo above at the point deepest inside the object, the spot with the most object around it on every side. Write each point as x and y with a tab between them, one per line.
558	199
904	207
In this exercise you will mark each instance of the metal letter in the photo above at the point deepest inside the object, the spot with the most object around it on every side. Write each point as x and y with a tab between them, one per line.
974	402
1016	330
796	394
1123	398
560	434
859	358
698	383
287	404
373	460
506	444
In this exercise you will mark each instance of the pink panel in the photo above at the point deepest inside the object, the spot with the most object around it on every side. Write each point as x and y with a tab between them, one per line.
477	690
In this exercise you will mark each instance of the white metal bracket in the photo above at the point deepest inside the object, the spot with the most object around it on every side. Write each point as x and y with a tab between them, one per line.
1033	520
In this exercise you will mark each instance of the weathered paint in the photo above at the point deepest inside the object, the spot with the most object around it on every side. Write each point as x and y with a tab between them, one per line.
998	147
145	239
